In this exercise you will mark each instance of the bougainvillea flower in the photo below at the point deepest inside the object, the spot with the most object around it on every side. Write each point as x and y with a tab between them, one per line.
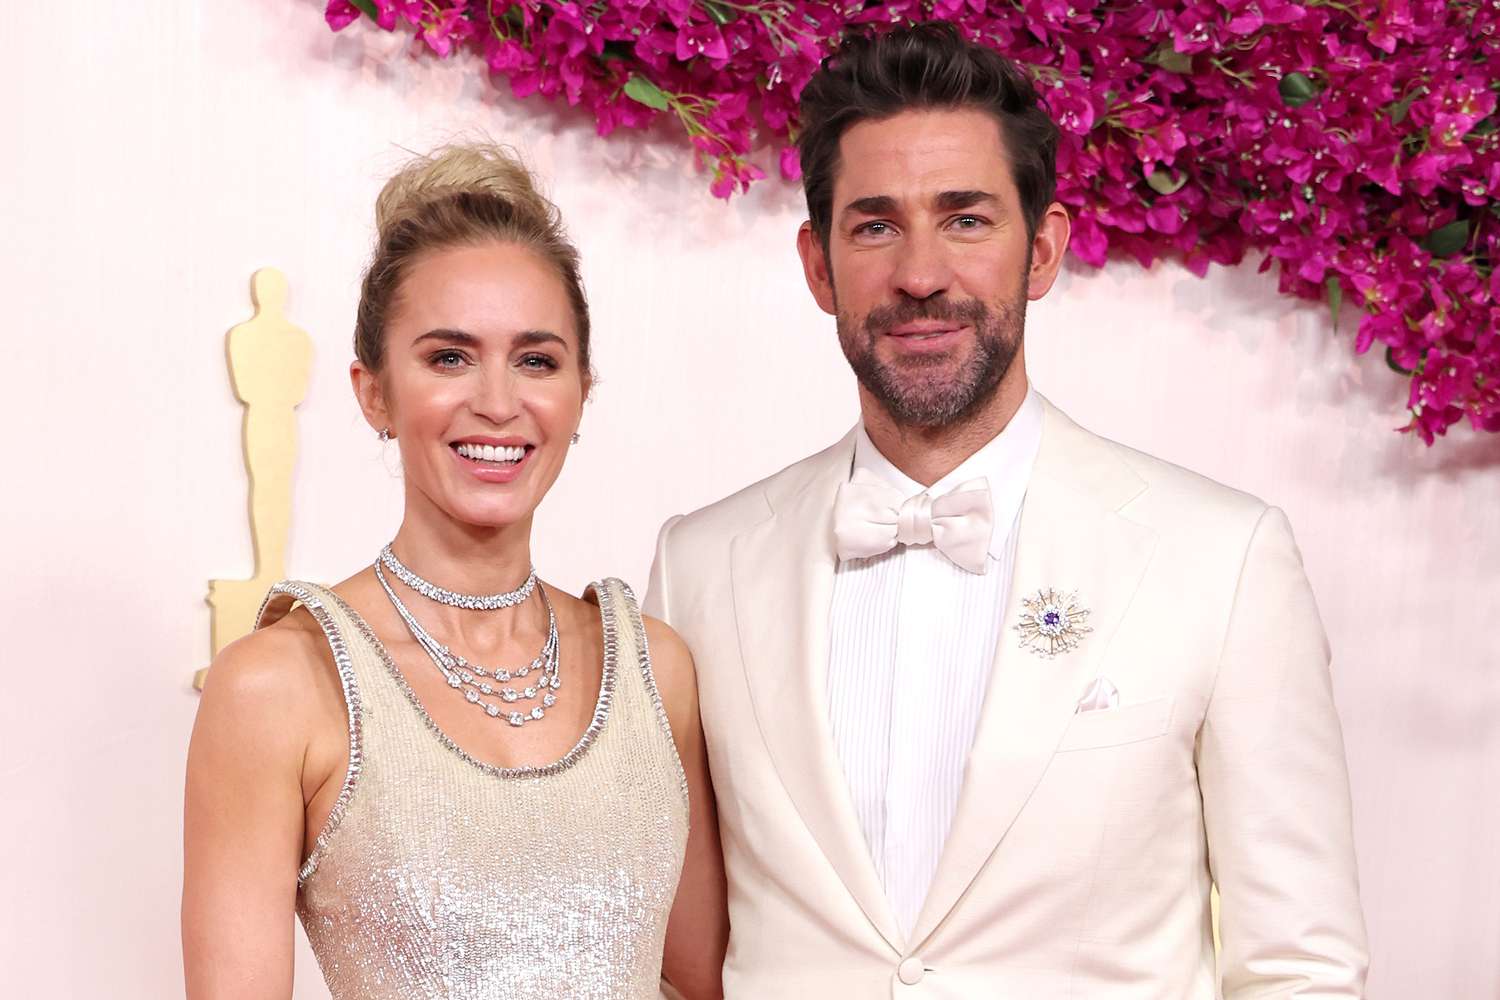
1354	147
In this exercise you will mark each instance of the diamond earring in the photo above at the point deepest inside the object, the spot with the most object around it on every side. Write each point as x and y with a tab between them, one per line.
575	437
384	435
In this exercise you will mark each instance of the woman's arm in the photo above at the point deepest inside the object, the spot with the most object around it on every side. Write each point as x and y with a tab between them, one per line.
244	817
698	930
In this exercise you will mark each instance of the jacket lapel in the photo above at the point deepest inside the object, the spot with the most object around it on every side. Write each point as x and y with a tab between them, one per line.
782	572
1072	538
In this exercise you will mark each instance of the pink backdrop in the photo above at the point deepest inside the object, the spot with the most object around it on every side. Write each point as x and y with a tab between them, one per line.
158	155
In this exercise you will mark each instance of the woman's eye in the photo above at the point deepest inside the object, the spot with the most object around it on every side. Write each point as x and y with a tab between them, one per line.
448	359
538	362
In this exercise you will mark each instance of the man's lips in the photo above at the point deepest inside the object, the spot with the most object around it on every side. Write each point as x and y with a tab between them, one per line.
924	338
923	329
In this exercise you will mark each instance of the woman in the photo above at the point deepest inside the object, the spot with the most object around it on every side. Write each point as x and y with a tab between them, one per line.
466	782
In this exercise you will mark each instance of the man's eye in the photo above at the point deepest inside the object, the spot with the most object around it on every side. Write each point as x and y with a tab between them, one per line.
968	222
873	229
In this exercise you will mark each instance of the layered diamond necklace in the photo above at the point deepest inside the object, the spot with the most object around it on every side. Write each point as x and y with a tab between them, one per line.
500	693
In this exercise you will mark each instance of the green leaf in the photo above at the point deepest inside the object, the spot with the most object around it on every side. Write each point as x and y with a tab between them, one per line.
643	91
367	8
1447	240
1170	59
1161	182
1296	89
718	13
1335	290
1401	107
1393	365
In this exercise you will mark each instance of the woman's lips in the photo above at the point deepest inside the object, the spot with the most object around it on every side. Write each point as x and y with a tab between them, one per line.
493	471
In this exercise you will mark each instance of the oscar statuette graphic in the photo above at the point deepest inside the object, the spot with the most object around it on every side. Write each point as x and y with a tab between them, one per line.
269	363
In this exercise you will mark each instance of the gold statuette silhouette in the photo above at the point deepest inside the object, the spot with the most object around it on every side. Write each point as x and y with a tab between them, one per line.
269	363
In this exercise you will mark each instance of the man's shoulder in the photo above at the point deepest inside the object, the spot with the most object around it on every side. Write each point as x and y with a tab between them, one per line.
1177	499
756	502
1176	487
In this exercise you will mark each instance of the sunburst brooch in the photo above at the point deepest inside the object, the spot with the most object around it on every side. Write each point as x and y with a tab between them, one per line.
1052	622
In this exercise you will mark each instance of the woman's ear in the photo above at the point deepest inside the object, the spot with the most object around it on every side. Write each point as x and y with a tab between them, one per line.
371	396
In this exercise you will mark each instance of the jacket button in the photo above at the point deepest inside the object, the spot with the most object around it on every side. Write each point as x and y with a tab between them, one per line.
910	971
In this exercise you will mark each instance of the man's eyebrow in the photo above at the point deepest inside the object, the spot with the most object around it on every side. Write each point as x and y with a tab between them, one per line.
875	204
952	201
945	201
526	338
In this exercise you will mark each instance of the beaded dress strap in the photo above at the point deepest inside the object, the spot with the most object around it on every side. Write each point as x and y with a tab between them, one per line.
325	607
632	613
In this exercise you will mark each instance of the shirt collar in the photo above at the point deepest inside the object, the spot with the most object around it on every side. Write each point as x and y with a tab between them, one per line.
1005	461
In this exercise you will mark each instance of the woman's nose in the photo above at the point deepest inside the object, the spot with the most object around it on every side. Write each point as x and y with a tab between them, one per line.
495	397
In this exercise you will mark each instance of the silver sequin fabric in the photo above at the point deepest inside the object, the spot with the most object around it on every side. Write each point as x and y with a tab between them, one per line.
440	876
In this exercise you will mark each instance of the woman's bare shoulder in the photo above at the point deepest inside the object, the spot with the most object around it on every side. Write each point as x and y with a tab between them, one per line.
286	667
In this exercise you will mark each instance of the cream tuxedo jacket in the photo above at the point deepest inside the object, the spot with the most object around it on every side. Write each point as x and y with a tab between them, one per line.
1084	845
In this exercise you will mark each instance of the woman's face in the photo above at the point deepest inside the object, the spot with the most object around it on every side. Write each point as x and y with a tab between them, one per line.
481	385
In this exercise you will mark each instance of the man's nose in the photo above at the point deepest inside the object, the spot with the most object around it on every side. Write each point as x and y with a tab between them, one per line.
922	266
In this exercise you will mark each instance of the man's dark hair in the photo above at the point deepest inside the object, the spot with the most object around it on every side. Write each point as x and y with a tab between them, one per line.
926	66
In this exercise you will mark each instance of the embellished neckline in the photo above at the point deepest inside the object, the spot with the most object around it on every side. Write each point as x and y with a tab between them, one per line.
611	631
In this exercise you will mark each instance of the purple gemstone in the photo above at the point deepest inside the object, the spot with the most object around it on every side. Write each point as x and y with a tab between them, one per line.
1052	618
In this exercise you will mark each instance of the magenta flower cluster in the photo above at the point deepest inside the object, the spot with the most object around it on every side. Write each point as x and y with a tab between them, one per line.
1353	143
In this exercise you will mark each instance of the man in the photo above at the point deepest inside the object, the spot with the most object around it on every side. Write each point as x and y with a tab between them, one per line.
991	703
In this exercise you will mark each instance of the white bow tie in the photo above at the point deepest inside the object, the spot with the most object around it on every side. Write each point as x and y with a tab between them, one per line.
871	517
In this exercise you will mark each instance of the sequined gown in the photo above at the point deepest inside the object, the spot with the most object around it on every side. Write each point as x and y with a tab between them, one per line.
440	876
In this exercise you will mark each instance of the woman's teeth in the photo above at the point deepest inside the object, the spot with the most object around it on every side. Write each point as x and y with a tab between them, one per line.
490	453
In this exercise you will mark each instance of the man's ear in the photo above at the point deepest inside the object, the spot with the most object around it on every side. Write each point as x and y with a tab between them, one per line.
371	397
1047	249
815	268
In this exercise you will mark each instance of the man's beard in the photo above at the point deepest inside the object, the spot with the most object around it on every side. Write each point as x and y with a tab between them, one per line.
918	391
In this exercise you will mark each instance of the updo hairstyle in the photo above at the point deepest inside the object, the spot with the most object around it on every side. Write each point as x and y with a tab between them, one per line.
461	195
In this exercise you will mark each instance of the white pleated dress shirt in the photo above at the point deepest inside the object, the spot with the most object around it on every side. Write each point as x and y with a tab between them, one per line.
913	641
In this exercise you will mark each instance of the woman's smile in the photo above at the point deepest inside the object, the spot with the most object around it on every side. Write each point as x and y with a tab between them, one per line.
492	460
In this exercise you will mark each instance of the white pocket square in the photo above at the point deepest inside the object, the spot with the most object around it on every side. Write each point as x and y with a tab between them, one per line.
1100	694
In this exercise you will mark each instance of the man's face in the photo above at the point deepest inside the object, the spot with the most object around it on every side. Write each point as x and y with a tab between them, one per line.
928	265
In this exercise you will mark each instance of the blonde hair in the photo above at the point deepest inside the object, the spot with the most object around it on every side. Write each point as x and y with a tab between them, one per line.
461	195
